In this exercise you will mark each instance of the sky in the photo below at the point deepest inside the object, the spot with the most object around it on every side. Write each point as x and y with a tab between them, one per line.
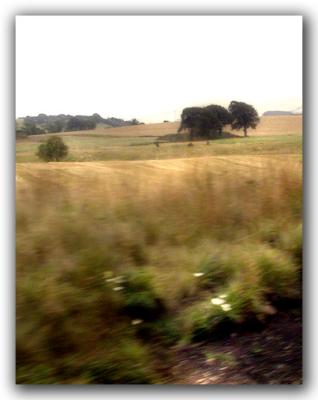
151	67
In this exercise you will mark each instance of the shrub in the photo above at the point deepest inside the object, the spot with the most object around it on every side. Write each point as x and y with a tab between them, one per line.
245	297
54	149
218	269
140	299
217	315
205	321
243	281
165	330
292	241
128	363
278	273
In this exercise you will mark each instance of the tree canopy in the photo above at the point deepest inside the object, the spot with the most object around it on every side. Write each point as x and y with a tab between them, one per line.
54	149
222	114
204	121
80	123
209	121
244	116
43	123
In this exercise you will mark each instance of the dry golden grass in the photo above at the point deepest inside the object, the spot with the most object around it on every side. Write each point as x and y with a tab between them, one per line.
277	125
155	130
155	223
146	175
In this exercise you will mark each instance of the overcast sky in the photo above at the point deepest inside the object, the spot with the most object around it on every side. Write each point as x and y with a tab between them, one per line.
150	67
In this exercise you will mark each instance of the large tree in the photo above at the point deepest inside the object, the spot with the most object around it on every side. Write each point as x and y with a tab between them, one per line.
219	117
244	116
191	120
204	121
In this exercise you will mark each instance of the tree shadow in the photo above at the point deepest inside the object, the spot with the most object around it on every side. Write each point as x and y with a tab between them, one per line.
185	137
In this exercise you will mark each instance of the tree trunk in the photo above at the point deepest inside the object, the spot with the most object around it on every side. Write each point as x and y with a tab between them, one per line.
191	134
245	131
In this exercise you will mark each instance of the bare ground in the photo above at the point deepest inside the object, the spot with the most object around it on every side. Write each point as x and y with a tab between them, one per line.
269	355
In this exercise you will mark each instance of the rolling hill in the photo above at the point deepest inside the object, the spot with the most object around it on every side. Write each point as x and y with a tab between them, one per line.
269	125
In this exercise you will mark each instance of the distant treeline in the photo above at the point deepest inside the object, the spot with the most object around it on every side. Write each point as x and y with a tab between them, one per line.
269	113
64	123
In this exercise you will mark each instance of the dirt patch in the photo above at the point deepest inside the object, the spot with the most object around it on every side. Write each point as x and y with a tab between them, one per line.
271	355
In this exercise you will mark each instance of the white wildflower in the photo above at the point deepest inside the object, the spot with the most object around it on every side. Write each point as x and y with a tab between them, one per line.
198	274
223	296
217	301
117	288
226	307
119	279
136	321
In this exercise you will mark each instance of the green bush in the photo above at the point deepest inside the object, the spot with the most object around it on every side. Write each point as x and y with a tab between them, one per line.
218	315
205	321
218	269
165	330
278	273
292	241
140	298
243	281
288	238
127	363
54	149
168	330
245	296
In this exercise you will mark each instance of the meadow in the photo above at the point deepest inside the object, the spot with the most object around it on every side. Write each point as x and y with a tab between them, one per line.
104	144
129	254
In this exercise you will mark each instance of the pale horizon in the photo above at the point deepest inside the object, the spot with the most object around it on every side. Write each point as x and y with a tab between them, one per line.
151	67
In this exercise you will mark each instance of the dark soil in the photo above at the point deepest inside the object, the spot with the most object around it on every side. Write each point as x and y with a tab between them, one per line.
272	354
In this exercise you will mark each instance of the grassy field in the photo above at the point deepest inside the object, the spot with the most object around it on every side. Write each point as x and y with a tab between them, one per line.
127	252
269	125
274	135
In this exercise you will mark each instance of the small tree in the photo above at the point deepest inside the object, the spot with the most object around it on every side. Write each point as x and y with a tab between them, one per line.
243	116
54	149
